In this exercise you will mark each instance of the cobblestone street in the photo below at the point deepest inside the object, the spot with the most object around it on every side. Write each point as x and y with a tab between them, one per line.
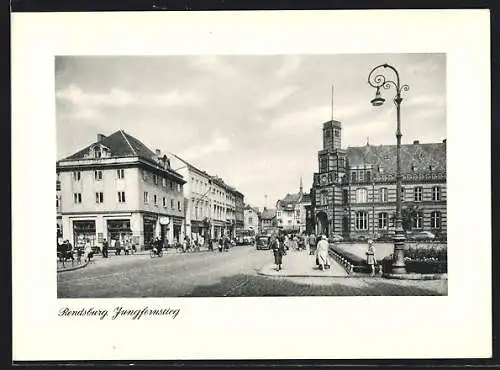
213	274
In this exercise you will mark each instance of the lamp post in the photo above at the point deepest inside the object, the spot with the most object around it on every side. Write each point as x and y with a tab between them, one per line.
377	79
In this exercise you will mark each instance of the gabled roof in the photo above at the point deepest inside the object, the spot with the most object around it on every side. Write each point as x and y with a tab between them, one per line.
120	144
268	214
306	198
420	156
290	200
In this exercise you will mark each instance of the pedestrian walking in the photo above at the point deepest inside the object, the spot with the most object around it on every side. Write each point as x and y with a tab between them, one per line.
278	251
312	244
88	251
322	253
220	244
371	260
104	248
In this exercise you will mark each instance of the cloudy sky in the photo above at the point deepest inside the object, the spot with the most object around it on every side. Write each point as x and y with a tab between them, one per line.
254	120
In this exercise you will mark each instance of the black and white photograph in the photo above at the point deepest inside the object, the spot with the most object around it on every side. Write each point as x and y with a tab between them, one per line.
278	175
251	185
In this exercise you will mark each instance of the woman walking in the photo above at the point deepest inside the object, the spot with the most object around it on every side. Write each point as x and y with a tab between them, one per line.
322	253
278	252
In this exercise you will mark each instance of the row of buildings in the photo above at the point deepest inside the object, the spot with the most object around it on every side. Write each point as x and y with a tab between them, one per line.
119	189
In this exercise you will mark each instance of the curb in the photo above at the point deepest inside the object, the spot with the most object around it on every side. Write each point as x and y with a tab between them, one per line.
416	276
72	268
285	274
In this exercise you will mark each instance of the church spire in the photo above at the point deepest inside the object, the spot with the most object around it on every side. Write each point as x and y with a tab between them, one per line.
301	184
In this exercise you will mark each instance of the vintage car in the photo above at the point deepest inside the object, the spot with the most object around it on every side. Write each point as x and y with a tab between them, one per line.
420	235
263	242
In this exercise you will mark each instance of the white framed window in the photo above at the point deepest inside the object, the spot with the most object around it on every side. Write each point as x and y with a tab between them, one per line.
98	175
146	197
361	195
121	197
418	218
155	179
436	193
99	197
382	220
77	175
435	219
155	200
164	182
383	194
417	194
77	197
120	173
362	220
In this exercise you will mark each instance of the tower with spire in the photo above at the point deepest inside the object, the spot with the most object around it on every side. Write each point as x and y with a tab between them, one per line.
301	190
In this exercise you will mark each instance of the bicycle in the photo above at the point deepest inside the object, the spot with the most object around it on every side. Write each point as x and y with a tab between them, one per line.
154	253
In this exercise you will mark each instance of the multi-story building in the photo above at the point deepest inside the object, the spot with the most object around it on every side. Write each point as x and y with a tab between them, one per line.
291	211
213	208
354	192
58	208
251	219
117	188
268	221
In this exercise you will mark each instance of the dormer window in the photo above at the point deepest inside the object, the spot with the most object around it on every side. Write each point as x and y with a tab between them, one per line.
100	151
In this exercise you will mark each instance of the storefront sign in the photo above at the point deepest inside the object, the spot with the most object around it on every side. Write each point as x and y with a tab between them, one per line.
164	220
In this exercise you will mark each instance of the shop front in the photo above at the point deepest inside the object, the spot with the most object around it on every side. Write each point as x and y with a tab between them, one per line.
119	230
149	224
83	230
177	228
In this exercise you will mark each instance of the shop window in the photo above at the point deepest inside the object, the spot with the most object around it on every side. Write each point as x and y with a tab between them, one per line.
435	219
119	230
98	175
436	193
417	192
99	197
361	195
362	220
121	197
382	220
83	231
77	197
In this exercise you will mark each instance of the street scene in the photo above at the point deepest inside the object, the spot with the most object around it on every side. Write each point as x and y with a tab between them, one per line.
243	176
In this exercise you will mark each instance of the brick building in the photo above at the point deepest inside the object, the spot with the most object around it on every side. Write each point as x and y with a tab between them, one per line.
354	191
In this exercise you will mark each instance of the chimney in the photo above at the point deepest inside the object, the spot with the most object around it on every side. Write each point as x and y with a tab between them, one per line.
416	142
158	153
444	141
100	137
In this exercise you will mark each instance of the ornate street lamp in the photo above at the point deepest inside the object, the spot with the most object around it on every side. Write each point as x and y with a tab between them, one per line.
378	80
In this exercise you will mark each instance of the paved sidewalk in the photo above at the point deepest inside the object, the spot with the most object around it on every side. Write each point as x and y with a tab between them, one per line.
301	264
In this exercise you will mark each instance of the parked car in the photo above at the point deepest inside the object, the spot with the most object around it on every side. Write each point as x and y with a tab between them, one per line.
263	242
421	235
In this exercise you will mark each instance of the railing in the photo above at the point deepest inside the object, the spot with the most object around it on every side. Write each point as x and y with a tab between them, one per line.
341	260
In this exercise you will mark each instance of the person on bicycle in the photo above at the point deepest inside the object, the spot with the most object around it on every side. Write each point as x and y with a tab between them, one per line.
158	245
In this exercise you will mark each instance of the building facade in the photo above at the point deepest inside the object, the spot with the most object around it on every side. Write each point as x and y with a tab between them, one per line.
118	189
291	211
354	191
268	221
251	219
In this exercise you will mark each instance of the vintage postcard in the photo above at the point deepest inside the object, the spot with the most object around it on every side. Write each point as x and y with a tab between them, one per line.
220	176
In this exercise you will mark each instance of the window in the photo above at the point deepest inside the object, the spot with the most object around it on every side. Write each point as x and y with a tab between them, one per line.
120	173
164	202
99	197
77	175
417	193
179	189
57	201
361	220
297	213
345	196
164	182
402	194
179	205
121	197
97	152
383	194
155	200
337	133
155	179
77	197
144	174
368	175
435	219
323	164
98	175
361	176
278	214
436	193
250	220
418	220
353	177
171	203
146	197
361	195
324	198
382	220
